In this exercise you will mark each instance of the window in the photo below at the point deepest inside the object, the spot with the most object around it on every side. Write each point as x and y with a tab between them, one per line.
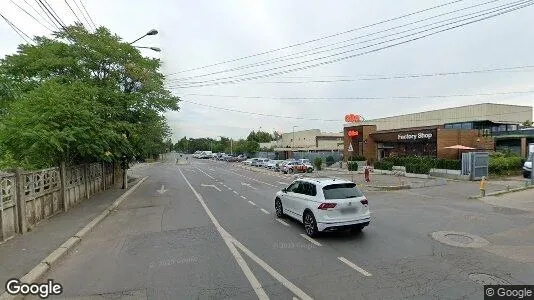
307	188
341	191
494	128
502	127
457	126
467	125
448	126
293	187
512	127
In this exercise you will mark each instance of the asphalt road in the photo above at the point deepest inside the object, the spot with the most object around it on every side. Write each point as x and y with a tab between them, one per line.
207	230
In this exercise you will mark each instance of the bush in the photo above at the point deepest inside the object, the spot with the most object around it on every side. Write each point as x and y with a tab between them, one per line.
419	168
318	162
352	166
330	160
383	165
450	164
357	158
504	165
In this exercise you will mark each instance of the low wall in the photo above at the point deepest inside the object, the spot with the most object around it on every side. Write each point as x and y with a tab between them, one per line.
29	197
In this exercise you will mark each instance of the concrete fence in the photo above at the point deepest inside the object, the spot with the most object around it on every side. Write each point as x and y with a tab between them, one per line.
29	197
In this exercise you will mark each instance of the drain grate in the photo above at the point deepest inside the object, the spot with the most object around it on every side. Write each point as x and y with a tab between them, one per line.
459	239
487	279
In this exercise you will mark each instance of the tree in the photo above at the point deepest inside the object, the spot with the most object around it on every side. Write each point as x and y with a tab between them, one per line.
527	123
88	95
260	137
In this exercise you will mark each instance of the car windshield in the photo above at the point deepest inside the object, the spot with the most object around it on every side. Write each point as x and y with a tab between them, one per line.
341	191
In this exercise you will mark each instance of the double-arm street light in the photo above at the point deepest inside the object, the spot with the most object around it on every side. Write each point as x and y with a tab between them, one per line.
151	32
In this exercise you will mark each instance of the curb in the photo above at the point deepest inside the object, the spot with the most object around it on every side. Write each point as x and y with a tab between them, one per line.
502	192
392	187
53	258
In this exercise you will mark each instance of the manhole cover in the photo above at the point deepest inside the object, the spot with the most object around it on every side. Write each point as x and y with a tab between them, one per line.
487	279
459	239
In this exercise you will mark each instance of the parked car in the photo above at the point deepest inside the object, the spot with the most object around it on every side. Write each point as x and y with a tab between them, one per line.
309	166
271	164
527	169
197	154
241	158
248	162
259	162
324	204
296	167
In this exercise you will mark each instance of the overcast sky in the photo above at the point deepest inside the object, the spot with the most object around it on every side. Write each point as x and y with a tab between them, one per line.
198	33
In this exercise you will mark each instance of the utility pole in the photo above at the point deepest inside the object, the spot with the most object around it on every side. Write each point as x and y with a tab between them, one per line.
231	146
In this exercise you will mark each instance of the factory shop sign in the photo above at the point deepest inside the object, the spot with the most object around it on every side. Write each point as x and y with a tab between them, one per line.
415	136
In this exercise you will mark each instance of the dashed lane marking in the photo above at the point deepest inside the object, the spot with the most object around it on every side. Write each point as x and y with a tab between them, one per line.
355	267
235	193
266	212
205	173
316	243
244	197
251	202
282	222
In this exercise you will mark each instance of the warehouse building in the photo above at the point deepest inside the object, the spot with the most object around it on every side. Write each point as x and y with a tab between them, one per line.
294	144
429	133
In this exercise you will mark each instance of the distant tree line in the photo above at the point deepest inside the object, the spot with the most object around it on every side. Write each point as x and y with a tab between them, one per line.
242	146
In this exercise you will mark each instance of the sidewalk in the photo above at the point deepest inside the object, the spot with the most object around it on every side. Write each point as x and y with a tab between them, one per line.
23	252
523	200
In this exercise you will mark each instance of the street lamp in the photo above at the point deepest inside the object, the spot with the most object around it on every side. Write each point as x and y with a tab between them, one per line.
293	139
151	32
151	48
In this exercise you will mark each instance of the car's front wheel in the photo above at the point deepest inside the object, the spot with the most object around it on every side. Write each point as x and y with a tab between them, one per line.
310	225
279	208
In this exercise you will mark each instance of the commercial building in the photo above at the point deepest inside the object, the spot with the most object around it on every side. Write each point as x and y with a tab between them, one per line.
481	126
308	141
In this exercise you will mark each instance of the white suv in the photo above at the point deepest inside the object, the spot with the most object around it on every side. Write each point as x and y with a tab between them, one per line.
324	204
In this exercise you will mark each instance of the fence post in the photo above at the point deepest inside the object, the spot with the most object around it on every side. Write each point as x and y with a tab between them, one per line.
63	185
104	176
86	180
21	201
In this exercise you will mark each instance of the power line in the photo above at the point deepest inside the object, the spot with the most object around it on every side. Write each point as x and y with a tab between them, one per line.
24	10
324	120
21	33
297	55
363	97
214	82
43	17
318	39
79	20
53	13
49	15
76	3
391	77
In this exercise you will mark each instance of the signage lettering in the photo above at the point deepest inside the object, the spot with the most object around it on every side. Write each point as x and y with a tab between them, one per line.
418	136
353	133
352	118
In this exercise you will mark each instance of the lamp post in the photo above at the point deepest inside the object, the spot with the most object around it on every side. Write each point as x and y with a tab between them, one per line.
151	32
293	140
151	48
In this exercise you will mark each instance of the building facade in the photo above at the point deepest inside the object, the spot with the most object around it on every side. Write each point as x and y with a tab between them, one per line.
429	133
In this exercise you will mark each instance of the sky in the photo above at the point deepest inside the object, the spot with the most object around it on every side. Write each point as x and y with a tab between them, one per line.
197	34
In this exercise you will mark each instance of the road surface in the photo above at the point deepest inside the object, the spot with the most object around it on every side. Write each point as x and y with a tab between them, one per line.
207	230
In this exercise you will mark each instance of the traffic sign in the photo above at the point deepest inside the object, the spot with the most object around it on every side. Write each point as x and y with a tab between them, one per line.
350	147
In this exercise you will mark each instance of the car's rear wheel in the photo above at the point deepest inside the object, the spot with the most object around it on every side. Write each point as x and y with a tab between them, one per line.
279	208
310	225
310	170
290	171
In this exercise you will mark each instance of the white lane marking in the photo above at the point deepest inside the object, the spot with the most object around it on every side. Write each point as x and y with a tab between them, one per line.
316	243
248	184
235	193
205	173
282	222
228	239
355	267
293	288
251	202
253	179
283	183
229	188
266	212
211	185
244	197
211	170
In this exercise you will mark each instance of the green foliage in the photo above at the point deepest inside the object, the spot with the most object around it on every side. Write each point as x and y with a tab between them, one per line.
352	165
330	160
527	123
318	163
357	158
383	165
260	137
81	97
505	165
423	162
423	167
